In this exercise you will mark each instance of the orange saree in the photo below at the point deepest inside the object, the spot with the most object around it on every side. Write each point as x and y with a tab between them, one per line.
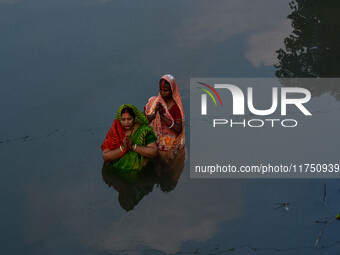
167	139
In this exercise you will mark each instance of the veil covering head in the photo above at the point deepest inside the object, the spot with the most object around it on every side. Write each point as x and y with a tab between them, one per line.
166	138
139	116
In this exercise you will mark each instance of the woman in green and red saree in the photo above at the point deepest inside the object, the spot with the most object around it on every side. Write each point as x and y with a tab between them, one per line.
130	142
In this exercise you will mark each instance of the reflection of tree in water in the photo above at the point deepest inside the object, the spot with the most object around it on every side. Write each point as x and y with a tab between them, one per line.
133	186
313	48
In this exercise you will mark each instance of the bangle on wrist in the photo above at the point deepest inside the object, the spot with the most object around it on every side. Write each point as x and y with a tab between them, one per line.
172	124
122	148
134	147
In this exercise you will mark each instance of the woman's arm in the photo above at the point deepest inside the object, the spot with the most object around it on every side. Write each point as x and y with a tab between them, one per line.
176	126
111	155
152	116
115	153
149	151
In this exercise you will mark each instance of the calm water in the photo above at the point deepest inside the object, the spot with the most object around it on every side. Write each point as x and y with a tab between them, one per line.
66	66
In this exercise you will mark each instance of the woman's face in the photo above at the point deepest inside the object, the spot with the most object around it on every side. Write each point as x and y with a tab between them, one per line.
165	91
127	121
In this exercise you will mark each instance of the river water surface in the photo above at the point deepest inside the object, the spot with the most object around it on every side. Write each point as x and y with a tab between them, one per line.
66	66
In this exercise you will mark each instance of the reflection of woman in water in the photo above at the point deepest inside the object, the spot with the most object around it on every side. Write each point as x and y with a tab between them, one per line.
130	141
129	193
166	116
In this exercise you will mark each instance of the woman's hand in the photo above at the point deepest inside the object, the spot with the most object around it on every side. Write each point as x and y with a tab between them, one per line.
159	108
126	142
130	143
151	117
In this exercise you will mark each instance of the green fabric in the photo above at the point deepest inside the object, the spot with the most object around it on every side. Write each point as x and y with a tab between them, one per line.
132	176
139	118
150	138
143	136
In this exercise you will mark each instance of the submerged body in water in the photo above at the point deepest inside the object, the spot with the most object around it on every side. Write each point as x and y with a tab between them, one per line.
133	186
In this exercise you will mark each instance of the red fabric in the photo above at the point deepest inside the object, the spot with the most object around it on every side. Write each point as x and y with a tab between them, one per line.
175	112
114	138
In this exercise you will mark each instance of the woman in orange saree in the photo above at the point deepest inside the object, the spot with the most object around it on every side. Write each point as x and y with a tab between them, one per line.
166	116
